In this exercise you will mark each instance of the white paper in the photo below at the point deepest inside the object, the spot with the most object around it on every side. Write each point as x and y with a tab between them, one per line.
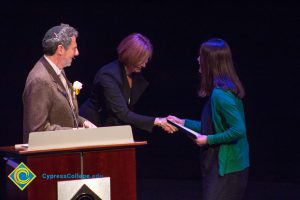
187	129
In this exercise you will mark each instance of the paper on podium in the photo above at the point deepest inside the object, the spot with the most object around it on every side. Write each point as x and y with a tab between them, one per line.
192	134
80	137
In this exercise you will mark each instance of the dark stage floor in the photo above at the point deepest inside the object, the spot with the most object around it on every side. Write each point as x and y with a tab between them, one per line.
167	189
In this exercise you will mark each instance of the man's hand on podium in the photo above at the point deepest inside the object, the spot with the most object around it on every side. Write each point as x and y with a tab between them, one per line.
88	124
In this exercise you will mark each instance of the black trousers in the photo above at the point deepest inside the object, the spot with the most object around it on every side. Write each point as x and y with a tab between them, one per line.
231	186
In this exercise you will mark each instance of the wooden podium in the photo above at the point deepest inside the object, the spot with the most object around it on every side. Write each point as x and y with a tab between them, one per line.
116	161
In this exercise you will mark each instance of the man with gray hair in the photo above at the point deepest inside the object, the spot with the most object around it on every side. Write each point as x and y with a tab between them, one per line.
48	98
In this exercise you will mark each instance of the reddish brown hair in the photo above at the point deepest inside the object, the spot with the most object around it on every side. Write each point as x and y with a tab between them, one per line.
134	49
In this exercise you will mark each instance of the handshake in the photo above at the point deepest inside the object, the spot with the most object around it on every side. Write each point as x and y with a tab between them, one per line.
200	139
163	123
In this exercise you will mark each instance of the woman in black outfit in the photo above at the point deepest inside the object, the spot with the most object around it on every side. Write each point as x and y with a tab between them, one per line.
118	86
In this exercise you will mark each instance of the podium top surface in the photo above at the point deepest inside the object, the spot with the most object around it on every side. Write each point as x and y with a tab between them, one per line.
25	151
81	137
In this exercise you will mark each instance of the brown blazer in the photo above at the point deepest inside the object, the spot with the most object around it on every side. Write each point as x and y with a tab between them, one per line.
45	102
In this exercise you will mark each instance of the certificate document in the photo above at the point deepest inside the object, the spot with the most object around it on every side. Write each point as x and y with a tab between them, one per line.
189	132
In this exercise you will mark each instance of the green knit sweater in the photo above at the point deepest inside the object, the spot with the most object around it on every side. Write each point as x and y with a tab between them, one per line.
229	123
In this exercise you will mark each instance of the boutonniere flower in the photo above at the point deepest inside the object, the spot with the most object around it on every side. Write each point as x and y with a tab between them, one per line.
77	86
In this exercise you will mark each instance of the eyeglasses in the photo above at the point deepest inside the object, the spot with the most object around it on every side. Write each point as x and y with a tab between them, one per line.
198	59
143	63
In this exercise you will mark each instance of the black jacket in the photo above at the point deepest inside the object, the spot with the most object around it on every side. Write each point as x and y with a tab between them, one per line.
112	101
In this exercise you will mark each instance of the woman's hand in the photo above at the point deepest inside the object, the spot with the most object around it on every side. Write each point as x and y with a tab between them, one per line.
162	122
201	140
176	119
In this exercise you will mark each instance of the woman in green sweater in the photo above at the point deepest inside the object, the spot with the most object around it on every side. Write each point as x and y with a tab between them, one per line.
223	139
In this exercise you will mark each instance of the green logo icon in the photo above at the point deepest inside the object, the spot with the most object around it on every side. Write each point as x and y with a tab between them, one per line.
21	176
